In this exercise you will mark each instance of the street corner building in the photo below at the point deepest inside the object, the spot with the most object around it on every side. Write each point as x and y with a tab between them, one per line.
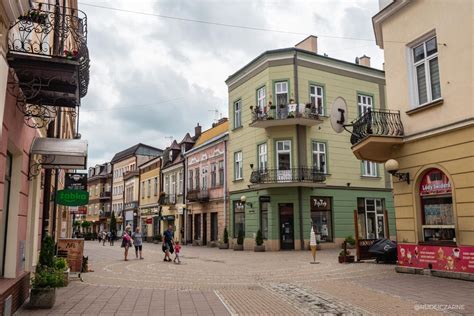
288	169
426	134
39	140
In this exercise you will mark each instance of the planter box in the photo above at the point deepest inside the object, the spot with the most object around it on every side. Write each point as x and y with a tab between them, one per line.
223	246
238	247
260	248
346	259
42	298
66	277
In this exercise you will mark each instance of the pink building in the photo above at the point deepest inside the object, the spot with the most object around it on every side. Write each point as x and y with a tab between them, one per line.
206	189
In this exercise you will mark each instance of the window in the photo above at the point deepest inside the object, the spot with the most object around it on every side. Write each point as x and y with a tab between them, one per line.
221	172
213	175
261	98
204	178
426	71
238	172
197	227
264	217
190	180
281	93
262	157
180	182
148	188
167	184
155	188
143	189
371	219
364	103
6	209
369	168
196	179
239	218
283	153
173	184
238	114
321	218
316	97
319	157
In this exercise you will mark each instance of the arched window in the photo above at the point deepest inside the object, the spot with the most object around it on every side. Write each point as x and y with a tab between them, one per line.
437	207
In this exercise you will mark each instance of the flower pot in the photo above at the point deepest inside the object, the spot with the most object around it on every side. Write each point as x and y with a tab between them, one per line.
346	259
224	246
260	248
66	277
238	247
42	298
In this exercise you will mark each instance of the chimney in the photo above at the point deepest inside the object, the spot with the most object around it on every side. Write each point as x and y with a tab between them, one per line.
197	130
364	61
310	44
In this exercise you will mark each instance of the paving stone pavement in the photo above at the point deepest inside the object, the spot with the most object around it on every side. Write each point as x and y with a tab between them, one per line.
223	282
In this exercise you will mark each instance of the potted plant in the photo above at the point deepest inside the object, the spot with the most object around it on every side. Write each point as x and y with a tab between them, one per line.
239	246
259	246
71	54
291	115
225	243
350	242
345	256
61	264
272	111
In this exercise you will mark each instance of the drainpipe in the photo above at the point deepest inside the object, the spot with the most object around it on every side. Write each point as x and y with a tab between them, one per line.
185	194
297	100
225	184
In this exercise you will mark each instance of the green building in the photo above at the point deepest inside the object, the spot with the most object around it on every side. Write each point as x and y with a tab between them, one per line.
287	168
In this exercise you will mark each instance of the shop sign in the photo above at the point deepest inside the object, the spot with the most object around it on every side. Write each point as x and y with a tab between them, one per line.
181	211
69	197
149	220
75	181
264	199
74	249
435	182
82	210
455	259
320	203
168	218
130	205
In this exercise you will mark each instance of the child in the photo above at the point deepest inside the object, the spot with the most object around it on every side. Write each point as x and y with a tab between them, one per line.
177	248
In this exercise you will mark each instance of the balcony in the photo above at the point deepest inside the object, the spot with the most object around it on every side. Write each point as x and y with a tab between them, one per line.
168	199
47	48
105	195
301	176
201	196
104	215
291	114
375	133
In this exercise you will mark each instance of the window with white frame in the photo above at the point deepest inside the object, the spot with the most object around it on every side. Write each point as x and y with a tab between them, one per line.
155	188
213	175
316	97
180	182
148	188
364	102
190	180
369	168
426	71
204	178
221	172
261	98
238	164
237	113
143	189
173	184
281	93
319	157
262	157
196	179
167	184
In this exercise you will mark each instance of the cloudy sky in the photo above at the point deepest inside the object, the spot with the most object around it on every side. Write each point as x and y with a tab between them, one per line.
153	78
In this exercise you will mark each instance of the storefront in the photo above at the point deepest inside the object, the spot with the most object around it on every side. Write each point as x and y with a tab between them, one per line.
321	218
438	247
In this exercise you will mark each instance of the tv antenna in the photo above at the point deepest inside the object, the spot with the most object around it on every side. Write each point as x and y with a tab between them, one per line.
217	114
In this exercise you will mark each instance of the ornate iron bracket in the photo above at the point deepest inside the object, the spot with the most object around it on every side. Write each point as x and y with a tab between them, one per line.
35	168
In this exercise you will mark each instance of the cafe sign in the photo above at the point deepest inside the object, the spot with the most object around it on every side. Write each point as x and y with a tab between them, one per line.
320	203
435	182
69	197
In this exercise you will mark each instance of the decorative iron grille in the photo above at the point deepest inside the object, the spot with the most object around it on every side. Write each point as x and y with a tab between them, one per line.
379	123
283	112
301	174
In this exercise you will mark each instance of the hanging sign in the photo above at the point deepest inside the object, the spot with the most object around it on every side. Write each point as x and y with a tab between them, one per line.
435	182
69	197
75	181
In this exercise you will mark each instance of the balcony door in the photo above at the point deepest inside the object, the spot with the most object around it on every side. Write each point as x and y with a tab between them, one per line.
283	160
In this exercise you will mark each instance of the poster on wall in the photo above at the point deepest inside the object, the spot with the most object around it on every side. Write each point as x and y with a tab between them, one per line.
73	250
456	259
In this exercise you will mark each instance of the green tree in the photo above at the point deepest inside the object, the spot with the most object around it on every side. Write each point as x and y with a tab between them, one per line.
226	236
46	257
86	224
240	238
259	238
113	222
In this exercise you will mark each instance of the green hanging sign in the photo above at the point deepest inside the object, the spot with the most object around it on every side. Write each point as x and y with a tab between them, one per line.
72	197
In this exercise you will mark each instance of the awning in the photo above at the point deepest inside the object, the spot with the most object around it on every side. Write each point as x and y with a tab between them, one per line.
60	153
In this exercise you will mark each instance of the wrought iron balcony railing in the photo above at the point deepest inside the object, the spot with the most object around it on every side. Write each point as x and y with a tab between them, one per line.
378	123
168	199
283	112
198	196
53	31
301	174
105	195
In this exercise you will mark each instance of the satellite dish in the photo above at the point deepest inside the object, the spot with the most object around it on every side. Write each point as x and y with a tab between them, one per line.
339	114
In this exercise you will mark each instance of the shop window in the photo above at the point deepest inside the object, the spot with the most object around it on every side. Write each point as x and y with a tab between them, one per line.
239	218
437	207
371	219
321	218
264	205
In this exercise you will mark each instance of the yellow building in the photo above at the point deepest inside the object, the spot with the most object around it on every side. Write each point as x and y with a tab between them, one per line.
149	195
427	139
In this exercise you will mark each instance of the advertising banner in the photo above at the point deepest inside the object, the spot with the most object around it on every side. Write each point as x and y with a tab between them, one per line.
75	181
456	259
74	249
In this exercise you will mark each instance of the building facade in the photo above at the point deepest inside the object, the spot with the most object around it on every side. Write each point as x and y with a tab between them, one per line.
99	184
124	167
206	189
287	168
430	143
150	188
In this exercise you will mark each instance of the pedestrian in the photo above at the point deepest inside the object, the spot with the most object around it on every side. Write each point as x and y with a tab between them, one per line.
126	242
104	237
109	238
138	242
168	243
177	249
99	237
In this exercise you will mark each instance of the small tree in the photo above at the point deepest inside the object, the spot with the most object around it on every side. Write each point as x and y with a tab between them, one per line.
226	236
240	238
113	222
46	257
259	238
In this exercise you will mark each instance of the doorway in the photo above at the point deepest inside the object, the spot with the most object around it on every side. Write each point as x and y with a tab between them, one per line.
204	229
287	241
214	226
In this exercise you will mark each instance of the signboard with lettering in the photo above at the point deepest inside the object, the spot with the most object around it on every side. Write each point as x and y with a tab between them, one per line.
69	197
456	259
319	203
75	181
74	248
435	182
82	210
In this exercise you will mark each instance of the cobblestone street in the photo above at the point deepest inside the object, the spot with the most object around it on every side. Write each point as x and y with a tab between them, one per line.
225	282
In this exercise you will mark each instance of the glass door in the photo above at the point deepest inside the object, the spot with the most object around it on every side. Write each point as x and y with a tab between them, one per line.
283	156
374	219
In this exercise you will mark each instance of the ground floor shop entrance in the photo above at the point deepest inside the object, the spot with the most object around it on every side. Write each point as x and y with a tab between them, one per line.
287	241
